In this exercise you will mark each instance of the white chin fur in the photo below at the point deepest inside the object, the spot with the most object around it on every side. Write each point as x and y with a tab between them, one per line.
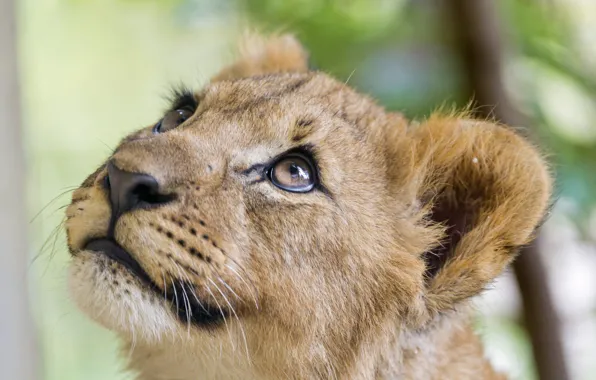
117	305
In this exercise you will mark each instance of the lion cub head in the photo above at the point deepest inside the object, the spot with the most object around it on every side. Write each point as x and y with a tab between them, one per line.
278	220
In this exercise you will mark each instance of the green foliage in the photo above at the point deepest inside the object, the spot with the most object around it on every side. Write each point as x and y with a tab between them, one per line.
545	36
336	32
386	48
402	52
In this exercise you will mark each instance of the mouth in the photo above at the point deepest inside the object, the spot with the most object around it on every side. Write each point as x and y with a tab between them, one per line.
115	252
180	295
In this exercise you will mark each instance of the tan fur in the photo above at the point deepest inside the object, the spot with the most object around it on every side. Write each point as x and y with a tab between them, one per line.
259	55
323	286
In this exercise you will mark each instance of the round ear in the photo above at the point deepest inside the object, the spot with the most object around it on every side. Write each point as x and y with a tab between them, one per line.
260	55
486	188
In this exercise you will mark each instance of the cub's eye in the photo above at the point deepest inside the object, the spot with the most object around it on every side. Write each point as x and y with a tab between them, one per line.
172	119
293	173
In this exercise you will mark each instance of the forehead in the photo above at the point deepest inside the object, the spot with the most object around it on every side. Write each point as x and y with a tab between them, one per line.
273	107
239	95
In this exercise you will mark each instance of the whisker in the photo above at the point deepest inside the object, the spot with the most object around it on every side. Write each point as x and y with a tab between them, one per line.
165	286
59	228
61	208
182	273
236	316
68	189
350	76
175	294
110	149
250	287
53	236
187	308
194	293
229	288
224	318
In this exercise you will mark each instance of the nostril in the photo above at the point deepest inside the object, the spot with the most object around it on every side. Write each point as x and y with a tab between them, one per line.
129	190
148	195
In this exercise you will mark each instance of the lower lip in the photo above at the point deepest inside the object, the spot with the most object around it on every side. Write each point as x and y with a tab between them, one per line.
115	252
202	315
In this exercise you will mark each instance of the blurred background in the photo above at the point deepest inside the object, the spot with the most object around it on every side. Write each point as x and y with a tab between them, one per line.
91	71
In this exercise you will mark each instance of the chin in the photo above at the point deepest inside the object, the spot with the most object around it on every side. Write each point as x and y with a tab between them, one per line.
114	298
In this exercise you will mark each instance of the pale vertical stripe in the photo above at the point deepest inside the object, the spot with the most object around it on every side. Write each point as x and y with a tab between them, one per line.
18	353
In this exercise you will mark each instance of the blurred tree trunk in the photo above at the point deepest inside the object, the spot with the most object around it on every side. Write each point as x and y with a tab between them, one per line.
18	356
478	38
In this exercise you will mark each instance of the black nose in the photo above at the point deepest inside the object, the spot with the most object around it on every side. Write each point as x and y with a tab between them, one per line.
130	191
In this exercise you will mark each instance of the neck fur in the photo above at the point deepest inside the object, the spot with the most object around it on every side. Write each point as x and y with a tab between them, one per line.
449	349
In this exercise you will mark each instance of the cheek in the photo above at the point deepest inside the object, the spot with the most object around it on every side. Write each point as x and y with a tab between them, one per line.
297	234
111	296
298	251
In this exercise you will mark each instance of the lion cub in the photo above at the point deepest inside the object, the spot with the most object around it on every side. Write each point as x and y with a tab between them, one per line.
276	224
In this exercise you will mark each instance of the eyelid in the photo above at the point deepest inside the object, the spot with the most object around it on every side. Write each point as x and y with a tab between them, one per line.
306	151
183	98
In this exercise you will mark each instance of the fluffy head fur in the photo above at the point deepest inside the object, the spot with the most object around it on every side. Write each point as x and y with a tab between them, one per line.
366	277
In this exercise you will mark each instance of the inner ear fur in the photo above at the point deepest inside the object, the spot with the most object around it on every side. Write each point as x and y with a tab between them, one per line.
260	55
482	190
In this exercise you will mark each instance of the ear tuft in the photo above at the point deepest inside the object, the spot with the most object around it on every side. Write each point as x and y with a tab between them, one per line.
260	55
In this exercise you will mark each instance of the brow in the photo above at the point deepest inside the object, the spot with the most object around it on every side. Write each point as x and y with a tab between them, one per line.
255	101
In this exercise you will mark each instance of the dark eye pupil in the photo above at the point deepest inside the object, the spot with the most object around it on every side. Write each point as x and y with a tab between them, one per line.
294	170
182	116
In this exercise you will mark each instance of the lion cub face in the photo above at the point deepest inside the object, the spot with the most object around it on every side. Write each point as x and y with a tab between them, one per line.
282	215
260	207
